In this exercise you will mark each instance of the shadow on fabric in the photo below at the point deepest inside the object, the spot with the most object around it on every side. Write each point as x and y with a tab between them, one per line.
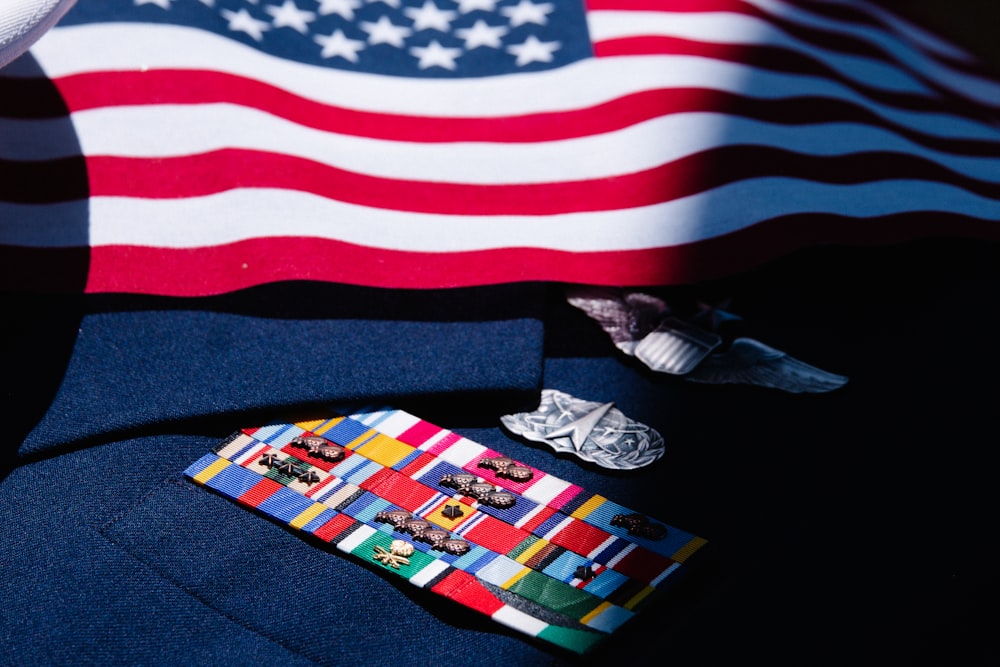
43	193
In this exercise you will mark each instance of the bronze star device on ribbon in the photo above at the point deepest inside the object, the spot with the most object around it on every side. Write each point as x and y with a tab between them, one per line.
535	553
596	432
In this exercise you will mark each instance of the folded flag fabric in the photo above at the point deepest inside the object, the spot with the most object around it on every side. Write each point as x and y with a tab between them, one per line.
195	147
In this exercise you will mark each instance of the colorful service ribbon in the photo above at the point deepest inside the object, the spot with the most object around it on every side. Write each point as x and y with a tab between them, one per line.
559	564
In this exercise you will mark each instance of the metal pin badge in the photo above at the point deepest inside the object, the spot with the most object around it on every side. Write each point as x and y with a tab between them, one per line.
271	460
398	518
595	432
320	447
289	468
401	548
389	558
484	492
639	524
506	467
643	326
309	477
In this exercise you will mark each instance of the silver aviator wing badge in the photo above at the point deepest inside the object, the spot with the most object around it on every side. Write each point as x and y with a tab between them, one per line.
644	327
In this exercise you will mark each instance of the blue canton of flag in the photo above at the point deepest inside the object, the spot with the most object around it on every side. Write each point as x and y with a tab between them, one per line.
435	38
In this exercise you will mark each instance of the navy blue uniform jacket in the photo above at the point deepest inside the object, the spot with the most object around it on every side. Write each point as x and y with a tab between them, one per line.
855	525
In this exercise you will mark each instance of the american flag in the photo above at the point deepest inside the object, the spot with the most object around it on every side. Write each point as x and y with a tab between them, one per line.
195	147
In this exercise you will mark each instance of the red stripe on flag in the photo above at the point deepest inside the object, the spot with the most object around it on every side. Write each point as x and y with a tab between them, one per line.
230	169
695	6
112	89
849	32
218	269
95	90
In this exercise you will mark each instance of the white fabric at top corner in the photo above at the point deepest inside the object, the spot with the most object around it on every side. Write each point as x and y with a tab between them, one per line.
22	22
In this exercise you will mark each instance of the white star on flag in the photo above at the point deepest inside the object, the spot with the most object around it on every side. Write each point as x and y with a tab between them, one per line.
338	44
482	34
435	55
241	21
392	3
527	12
466	6
162	4
532	50
385	32
344	8
288	15
430	16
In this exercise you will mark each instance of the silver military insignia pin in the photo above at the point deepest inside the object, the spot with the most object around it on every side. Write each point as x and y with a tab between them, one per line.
643	326
676	347
595	432
748	361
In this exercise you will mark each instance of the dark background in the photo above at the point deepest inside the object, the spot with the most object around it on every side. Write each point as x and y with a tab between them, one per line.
857	527
971	23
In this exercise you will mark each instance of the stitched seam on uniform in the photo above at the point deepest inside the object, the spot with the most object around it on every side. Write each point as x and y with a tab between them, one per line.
179	585
115	518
